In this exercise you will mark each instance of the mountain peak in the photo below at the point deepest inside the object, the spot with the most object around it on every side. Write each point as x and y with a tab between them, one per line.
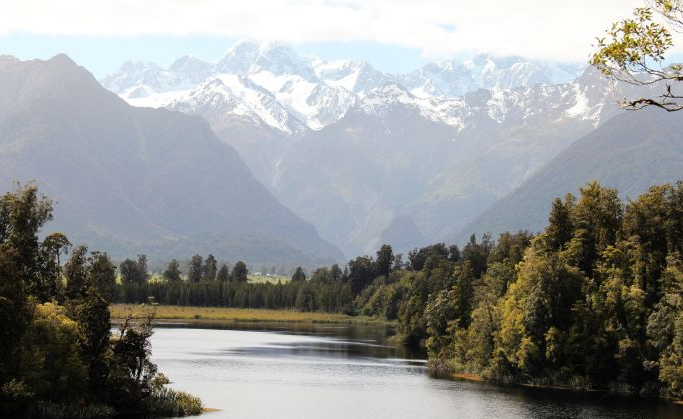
251	56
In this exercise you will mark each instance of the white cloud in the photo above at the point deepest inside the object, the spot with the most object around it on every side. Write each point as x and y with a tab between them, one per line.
551	29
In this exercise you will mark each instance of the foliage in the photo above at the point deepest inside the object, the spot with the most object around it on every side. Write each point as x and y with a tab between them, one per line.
240	272
59	360
634	52
134	271
172	272
298	275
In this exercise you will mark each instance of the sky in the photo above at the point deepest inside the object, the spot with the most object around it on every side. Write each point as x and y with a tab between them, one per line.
393	35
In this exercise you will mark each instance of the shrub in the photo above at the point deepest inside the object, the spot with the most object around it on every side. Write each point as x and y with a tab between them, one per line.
168	402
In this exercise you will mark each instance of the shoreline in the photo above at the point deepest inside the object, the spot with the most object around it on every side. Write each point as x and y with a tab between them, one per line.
605	392
217	315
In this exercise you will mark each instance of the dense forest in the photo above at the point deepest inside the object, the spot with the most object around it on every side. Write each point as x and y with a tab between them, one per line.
59	358
593	302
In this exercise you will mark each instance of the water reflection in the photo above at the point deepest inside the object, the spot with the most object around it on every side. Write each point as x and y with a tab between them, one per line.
350	372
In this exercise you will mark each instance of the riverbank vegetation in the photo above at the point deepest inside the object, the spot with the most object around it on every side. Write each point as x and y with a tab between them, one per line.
593	302
58	358
241	315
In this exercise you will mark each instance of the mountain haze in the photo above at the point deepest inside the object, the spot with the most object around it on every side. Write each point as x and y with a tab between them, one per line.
369	157
130	180
630	152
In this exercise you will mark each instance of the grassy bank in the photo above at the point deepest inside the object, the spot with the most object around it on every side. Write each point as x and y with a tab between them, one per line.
238	315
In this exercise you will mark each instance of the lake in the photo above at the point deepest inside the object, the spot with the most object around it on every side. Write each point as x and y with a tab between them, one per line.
265	371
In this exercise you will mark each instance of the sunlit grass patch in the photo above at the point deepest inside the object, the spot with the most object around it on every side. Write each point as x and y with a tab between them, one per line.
242	315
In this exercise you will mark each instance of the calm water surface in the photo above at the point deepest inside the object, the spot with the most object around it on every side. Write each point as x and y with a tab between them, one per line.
350	373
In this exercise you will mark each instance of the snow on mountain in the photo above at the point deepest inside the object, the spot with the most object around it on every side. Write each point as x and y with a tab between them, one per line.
251	56
238	96
289	90
144	79
582	99
191	69
455	78
354	76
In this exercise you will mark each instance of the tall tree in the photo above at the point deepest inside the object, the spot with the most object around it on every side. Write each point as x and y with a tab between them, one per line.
102	275
53	246
172	272
560	228
142	268
240	273
384	260
131	272
22	214
92	315
299	275
194	273
210	269
361	273
223	273
76	271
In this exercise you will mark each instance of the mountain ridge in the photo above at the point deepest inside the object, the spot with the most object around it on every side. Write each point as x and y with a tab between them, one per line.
630	152
128	178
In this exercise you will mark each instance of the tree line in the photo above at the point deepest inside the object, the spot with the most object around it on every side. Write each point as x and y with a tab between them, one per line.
326	290
58	357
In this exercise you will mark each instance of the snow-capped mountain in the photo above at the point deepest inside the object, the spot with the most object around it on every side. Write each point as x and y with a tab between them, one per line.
456	78
263	67
581	99
138	79
354	76
397	160
234	96
319	92
354	150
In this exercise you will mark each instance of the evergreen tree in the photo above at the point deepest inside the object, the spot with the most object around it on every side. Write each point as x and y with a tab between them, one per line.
142	268
385	260
559	230
361	273
210	268
132	271
299	275
223	273
240	272
172	272
53	246
194	273
76	272
102	275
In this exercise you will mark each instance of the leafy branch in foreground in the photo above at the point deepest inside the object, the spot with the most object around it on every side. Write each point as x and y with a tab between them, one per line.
634	52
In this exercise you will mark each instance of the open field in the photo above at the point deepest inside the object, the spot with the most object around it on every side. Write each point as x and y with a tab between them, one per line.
237	315
273	279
